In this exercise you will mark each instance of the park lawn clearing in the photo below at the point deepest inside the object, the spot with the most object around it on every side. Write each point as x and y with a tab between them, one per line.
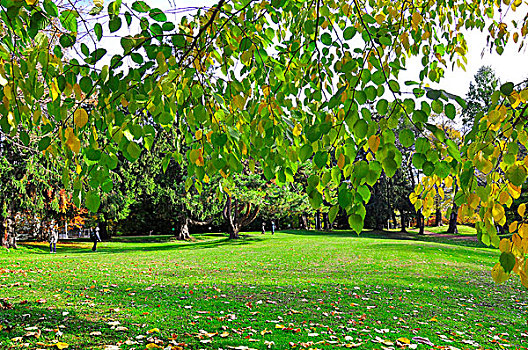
293	290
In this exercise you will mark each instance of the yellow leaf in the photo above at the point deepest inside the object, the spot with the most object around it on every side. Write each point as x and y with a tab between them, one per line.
498	274
80	117
297	130
61	345
153	346
523	231
433	319
72	140
54	90
31	2
374	142
98	3
239	102
341	161
473	201
224	334
404	340
504	245
153	330
504	197
513	227
522	209
198	134
497	212
416	18
279	326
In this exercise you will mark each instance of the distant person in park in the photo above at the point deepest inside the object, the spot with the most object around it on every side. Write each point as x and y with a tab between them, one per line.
272	227
94	236
53	237
263	227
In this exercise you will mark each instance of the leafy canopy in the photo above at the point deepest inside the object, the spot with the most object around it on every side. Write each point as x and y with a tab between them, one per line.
274	82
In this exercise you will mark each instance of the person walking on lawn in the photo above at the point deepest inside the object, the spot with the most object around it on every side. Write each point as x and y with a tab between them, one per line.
53	237
94	236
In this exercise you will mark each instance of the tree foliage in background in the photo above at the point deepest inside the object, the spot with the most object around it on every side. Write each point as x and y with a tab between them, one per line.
274	82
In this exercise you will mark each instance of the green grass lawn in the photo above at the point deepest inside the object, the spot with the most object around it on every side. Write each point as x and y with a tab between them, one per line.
293	290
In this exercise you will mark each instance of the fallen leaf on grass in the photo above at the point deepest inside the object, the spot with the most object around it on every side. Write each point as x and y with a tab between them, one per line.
422	340
153	330
96	333
224	335
61	345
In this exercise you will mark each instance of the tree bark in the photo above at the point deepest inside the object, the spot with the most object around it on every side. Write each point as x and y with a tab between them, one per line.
238	215
421	223
183	229
438	217
453	218
403	218
327	226
8	236
318	220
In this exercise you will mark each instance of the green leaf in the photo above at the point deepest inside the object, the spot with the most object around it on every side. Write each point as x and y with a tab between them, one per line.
158	15
140	6
68	19
453	150
305	152
332	213
507	261
133	150
44	143
93	201
349	33
507	88
360	129
115	24
516	174
320	159
450	111
98	29
434	94
51	8
356	223
245	44
382	107
406	137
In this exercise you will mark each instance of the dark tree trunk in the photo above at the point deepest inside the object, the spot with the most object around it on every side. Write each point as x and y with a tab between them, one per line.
453	218
421	223
326	222
403	217
394	222
318	220
103	228
438	217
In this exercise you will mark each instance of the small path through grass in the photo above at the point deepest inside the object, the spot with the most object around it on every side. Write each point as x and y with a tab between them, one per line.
293	290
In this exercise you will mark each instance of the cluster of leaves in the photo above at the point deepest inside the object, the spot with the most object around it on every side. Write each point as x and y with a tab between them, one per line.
261	83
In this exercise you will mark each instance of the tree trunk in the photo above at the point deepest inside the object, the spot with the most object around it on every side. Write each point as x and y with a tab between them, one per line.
326	222
421	223
438	217
183	229
238	215
403	218
8	237
305	221
453	218
394	222
103	228
318	220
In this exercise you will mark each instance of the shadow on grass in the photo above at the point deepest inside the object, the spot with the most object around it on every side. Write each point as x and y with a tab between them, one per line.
138	245
413	236
35	324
